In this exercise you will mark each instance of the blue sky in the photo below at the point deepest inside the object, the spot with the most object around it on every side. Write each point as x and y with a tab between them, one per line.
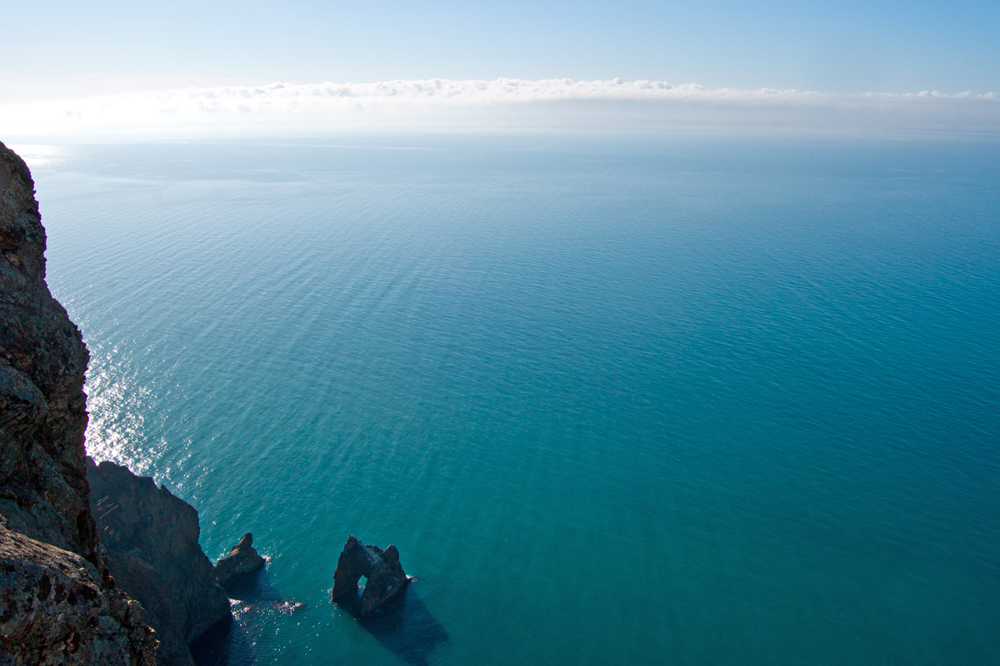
110	70
57	48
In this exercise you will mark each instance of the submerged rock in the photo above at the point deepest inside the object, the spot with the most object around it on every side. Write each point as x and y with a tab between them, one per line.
287	606
386	579
238	570
152	541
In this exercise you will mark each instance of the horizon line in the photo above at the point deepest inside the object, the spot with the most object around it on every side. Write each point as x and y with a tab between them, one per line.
505	103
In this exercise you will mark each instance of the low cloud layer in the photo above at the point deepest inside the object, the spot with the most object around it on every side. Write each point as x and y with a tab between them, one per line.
316	109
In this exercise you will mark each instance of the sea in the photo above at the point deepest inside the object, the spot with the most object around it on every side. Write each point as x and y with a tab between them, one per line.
616	399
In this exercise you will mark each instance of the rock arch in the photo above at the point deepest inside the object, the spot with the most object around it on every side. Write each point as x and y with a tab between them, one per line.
386	579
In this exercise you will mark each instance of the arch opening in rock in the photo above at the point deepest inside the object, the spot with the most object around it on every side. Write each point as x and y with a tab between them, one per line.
384	577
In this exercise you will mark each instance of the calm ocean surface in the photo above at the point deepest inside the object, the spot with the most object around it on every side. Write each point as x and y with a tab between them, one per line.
639	401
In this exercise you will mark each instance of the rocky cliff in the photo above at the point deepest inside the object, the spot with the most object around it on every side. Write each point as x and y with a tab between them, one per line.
43	485
153	552
59	603
56	609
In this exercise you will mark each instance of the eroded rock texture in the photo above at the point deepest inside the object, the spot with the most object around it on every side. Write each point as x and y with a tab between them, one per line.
238	570
386	579
57	610
152	542
48	532
43	486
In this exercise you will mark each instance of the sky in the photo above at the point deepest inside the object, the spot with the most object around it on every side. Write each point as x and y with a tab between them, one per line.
56	50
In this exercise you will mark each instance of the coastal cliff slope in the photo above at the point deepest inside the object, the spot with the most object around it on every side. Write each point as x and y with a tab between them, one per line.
153	552
43	486
59	603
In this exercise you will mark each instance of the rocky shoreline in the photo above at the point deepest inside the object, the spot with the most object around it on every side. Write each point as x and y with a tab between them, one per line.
59	602
98	565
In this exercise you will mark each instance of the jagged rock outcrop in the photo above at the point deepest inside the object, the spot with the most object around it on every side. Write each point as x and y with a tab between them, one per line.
238	570
48	532
152	542
386	579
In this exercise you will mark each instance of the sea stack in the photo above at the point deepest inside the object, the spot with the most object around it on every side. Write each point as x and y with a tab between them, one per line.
238	570
386	579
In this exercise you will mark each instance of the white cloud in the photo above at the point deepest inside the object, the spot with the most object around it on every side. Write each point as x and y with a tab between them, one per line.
304	109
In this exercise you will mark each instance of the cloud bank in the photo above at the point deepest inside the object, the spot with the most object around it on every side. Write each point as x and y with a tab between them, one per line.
282	109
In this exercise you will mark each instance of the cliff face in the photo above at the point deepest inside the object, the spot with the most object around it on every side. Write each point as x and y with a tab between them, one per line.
153	552
49	545
43	488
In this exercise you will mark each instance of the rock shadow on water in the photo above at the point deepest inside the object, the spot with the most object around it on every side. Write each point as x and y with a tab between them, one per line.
252	588
404	626
256	607
226	644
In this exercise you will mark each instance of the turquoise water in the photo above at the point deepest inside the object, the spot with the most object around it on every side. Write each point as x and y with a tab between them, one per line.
651	401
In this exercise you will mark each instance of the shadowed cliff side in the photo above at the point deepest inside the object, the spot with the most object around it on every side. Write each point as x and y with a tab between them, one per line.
153	552
49	538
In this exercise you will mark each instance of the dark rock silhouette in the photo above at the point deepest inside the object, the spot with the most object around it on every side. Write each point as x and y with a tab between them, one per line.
152	541
239	570
386	579
59	603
